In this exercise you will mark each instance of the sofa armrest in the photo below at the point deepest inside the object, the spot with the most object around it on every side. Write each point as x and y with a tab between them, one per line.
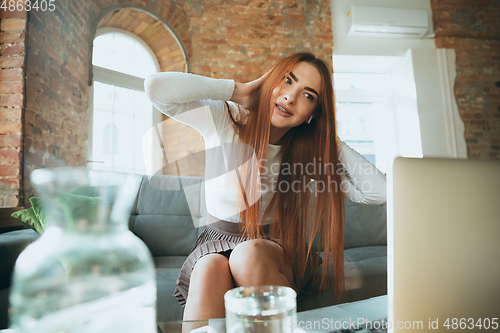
11	245
365	225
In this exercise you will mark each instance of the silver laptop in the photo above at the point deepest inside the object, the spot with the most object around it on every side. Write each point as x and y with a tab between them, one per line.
444	257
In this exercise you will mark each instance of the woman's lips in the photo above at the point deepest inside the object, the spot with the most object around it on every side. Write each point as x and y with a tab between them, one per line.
281	113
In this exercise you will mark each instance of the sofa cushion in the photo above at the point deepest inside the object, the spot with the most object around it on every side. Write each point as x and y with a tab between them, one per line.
359	254
365	225
171	235
167	213
11	245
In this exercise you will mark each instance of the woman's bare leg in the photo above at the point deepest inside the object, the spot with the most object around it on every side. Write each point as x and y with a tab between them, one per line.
210	280
260	262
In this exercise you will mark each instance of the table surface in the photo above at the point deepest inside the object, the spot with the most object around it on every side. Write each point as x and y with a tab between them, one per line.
315	321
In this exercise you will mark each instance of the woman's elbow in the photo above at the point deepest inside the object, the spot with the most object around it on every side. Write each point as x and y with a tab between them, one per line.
149	85
374	193
378	196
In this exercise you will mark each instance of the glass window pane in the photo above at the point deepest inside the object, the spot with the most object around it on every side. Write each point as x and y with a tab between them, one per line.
354	122
142	105
140	53
140	68
100	122
122	53
362	81
104	42
117	136
124	157
355	127
142	125
102	58
103	96
124	45
123	101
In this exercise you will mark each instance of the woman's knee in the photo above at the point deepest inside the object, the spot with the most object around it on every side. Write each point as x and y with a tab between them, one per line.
251	261
211	268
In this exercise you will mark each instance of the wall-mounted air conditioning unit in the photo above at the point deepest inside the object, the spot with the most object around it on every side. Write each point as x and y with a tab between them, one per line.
383	22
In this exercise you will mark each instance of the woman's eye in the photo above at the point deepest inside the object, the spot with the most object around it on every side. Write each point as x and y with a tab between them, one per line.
310	97
288	80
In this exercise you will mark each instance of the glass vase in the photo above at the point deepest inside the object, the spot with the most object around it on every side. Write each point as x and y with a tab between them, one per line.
87	272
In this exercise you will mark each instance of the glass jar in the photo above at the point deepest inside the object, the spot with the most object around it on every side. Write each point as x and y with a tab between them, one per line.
261	309
87	272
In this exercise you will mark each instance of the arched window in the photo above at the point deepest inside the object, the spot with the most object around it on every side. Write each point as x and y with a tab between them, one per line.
121	112
110	140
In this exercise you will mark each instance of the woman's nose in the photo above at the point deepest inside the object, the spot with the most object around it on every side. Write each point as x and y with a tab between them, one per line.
289	98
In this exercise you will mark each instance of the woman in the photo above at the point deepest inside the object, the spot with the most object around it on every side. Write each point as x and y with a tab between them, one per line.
261	219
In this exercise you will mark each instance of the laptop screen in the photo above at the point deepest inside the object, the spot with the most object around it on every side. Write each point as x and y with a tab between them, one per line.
444	244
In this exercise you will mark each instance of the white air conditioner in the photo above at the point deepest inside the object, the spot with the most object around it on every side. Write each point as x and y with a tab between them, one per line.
383	22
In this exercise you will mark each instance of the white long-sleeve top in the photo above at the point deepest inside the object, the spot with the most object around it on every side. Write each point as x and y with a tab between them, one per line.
198	101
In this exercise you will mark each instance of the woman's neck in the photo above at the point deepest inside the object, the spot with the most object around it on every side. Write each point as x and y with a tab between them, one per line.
276	135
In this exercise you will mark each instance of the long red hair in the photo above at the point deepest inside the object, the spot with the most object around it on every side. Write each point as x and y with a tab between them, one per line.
298	218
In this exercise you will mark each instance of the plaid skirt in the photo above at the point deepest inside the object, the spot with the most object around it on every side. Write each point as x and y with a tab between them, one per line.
220	236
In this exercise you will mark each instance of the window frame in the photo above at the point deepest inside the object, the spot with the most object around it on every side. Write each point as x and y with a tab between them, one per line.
120	79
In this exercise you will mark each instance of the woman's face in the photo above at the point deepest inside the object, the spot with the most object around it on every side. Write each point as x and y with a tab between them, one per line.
298	98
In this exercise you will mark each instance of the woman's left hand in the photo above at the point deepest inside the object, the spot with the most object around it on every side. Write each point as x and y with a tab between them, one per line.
245	94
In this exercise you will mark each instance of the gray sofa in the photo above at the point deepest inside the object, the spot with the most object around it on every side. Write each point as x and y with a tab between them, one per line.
165	216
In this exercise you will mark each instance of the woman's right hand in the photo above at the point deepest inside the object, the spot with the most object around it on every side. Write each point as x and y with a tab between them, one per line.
246	94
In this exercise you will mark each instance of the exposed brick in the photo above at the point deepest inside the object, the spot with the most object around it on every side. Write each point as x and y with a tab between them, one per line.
35	159
12	37
9	183
13	201
11	74
10	170
12	113
477	67
13	24
10	140
16	49
33	131
11	100
13	13
11	62
10	126
9	155
11	87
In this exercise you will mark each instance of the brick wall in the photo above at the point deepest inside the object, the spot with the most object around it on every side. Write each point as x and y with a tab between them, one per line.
241	40
234	40
56	119
472	29
12	59
223	39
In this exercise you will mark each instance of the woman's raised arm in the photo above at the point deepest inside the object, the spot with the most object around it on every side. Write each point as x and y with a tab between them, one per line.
173	93
362	182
